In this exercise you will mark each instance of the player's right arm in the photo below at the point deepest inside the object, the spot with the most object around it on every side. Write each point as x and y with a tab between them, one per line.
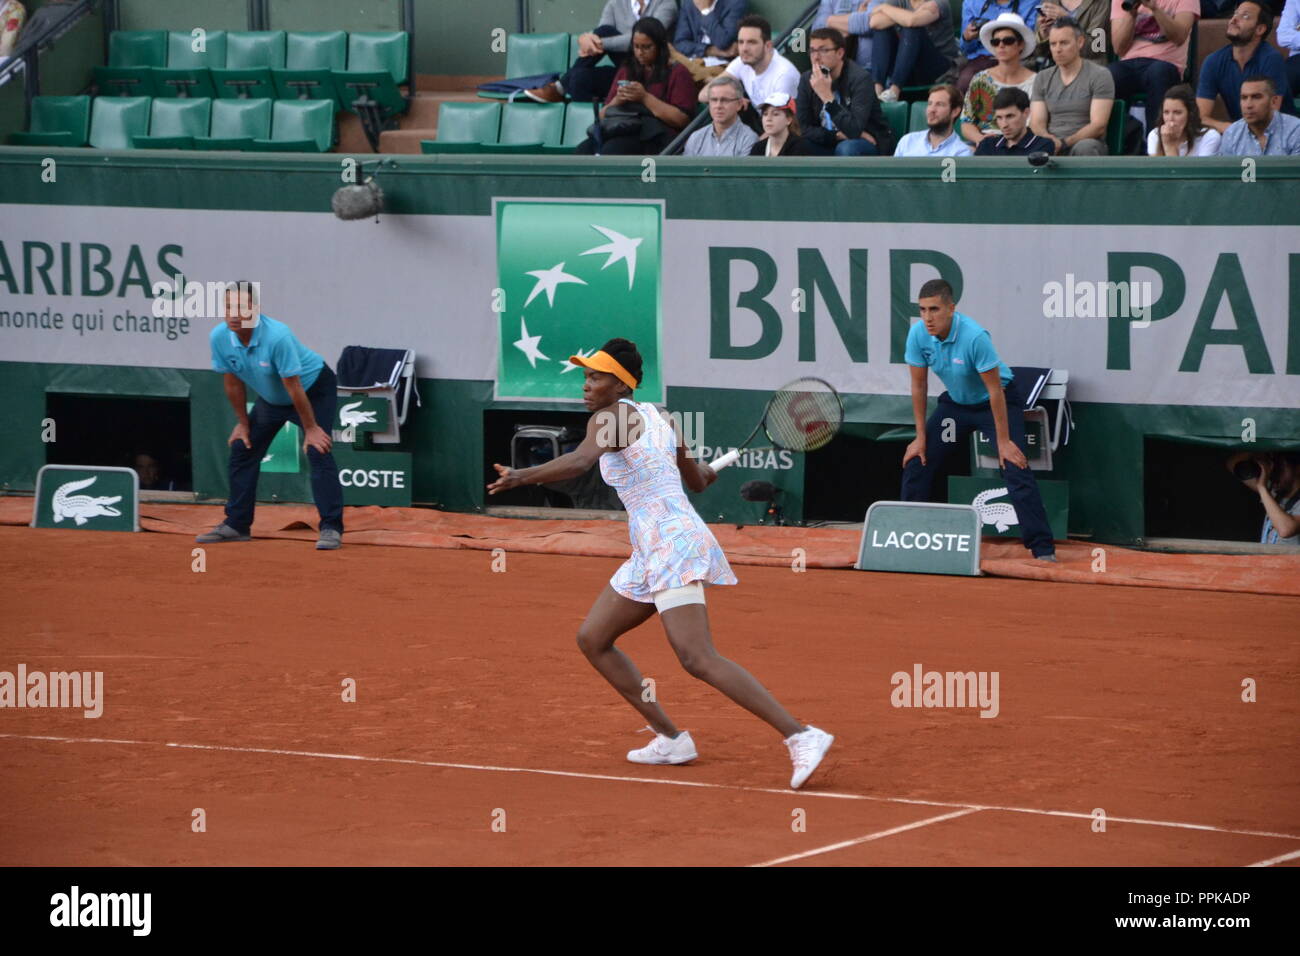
603	430
916	449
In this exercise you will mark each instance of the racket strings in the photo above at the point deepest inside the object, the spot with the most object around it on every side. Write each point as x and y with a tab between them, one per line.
804	415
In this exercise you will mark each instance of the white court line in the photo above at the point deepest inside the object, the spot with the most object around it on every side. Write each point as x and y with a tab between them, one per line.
866	839
1278	859
664	782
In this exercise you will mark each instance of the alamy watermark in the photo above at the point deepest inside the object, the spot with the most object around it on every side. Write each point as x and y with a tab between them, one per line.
1088	299
76	689
947	689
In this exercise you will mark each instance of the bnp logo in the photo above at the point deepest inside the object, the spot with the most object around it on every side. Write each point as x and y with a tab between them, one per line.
571	276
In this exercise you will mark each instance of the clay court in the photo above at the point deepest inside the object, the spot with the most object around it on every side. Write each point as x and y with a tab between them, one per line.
223	692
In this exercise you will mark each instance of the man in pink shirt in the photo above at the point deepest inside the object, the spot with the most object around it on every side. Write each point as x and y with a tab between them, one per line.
1151	38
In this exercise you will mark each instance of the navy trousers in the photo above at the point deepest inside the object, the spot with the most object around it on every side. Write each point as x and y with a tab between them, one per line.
585	81
264	421
918	479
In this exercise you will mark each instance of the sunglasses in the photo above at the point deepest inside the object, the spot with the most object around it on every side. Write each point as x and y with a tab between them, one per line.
1004	41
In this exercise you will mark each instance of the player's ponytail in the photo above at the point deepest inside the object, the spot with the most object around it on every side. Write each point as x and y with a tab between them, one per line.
626	354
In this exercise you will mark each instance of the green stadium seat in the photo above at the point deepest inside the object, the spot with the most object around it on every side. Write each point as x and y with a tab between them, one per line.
192	83
250	58
124	80
469	123
57	121
378	52
377	63
578	117
436	146
323	50
137	48
916	116
255	49
573	53
115	121
300	126
236	124
531	125
530	54
1115	128
254	83
310	58
181	54
175	121
896	117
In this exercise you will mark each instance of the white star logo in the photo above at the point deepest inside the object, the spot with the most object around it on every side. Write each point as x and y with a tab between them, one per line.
619	248
528	344
547	280
569	366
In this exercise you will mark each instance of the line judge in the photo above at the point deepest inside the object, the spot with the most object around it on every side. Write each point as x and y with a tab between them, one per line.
981	394
293	384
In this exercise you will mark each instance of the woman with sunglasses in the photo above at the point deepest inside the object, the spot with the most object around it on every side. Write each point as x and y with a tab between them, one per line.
781	135
1011	42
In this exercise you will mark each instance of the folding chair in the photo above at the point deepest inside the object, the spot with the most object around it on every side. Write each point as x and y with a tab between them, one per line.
386	374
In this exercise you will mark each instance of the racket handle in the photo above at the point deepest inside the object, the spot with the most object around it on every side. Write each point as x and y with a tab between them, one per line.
722	461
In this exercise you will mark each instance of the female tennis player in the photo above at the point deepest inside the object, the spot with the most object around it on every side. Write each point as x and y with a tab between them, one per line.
673	556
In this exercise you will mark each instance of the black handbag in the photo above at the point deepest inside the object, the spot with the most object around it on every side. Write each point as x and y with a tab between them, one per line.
624	121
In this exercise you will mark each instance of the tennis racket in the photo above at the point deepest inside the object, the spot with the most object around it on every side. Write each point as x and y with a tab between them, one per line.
802	416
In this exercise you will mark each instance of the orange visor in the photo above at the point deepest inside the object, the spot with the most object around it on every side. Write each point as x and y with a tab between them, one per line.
604	362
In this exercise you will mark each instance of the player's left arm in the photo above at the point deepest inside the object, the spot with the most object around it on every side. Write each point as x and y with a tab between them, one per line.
1007	450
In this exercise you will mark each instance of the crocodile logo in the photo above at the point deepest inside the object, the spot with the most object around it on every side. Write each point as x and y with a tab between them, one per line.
350	417
81	508
1001	514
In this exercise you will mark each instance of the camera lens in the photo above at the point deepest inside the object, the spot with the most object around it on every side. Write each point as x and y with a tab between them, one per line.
1128	5
1246	470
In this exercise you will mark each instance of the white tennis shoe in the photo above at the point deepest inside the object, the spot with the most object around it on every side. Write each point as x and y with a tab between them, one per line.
665	749
806	751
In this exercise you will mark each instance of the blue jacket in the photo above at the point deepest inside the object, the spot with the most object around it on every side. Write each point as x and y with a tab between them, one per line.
722	25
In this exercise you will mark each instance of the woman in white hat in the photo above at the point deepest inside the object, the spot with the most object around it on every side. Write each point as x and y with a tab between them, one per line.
780	129
1011	42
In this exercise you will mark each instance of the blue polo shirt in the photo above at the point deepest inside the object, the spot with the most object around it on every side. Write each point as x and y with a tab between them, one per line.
958	359
271	354
1221	76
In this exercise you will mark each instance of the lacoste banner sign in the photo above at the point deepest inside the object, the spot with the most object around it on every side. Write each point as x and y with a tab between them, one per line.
87	497
570	276
358	414
920	537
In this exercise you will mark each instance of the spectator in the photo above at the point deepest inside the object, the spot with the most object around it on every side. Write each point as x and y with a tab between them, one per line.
758	66
650	101
781	135
1263	130
1011	42
1276	479
1247	54
853	19
1093	17
912	43
1288	36
974	15
587	82
1011	113
12	16
1072	100
1151	39
837	107
941	139
1182	131
151	479
706	35
726	135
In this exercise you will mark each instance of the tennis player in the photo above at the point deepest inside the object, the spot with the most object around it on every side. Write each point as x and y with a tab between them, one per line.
673	556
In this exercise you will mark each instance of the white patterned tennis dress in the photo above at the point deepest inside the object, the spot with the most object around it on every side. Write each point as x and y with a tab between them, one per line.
671	544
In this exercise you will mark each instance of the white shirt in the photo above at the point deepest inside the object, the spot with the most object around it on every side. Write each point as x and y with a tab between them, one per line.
781	76
1207	144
